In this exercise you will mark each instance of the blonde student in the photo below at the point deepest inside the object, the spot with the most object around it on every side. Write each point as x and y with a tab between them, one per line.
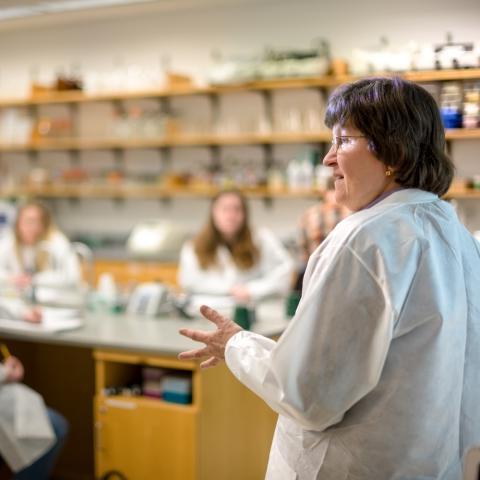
35	250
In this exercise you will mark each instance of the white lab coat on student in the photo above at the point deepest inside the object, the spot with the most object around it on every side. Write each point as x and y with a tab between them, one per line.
25	429
271	275
378	374
63	269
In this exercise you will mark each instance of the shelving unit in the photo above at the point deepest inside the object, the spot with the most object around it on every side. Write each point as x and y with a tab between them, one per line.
213	141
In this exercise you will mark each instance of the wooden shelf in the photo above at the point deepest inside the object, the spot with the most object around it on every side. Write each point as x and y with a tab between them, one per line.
174	141
443	75
463	194
86	190
131	191
66	144
462	133
325	81
142	401
261	85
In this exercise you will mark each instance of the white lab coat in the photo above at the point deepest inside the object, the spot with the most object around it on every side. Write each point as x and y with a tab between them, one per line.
271	275
377	377
63	270
25	429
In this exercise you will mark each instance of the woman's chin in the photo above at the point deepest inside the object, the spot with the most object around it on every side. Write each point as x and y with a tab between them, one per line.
340	196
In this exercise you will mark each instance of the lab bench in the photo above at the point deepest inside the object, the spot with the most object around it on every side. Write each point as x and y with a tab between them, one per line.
224	433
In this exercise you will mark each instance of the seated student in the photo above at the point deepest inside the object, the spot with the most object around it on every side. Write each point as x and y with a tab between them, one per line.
36	253
315	224
228	258
32	454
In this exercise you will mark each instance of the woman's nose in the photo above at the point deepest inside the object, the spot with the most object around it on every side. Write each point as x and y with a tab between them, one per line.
331	157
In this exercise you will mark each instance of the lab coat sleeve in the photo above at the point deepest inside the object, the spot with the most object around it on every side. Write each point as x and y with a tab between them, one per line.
332	353
192	278
7	258
13	308
277	268
65	272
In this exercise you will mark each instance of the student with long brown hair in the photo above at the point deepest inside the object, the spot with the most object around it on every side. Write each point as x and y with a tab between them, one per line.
228	258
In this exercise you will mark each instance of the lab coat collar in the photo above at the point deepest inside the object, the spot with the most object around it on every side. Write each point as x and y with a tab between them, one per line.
407	195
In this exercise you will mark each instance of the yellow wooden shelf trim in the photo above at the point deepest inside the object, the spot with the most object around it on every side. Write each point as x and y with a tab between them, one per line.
154	191
158	191
198	140
462	133
139	359
174	141
324	81
147	191
463	193
141	401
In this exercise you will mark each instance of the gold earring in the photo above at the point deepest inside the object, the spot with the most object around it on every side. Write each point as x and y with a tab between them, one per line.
388	172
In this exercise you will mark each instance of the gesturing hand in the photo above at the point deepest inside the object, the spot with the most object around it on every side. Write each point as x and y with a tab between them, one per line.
215	341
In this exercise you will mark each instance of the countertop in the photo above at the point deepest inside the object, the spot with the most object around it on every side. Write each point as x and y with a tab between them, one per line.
154	336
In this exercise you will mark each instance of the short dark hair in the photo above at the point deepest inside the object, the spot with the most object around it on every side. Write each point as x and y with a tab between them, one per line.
402	123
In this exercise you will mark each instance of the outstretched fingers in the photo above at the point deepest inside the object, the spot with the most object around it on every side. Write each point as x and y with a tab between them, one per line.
193	354
196	335
211	362
212	315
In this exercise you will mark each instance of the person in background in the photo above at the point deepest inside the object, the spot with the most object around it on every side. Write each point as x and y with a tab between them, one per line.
315	224
377	376
228	258
36	254
39	453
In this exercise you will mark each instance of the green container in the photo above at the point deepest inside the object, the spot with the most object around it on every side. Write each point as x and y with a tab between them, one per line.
244	316
291	303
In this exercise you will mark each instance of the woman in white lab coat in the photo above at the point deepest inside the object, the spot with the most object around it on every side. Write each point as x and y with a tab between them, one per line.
31	435
377	376
228	258
35	253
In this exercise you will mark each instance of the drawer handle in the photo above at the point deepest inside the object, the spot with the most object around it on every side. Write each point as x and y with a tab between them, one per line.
116	403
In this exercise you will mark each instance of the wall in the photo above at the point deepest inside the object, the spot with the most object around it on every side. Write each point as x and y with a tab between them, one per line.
189	36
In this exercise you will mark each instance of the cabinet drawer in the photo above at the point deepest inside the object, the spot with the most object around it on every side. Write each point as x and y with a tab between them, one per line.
145	439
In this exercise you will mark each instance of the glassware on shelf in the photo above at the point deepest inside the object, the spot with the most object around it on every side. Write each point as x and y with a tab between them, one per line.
38	176
312	119
138	123
52	127
227	126
275	179
323	175
298	120
471	106
451	104
263	125
69	81
476	182
15	126
288	120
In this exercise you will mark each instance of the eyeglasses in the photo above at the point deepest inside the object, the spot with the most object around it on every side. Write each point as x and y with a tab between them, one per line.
344	141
